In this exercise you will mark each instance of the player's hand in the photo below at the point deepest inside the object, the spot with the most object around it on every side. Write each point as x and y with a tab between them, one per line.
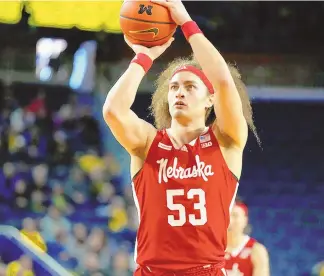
153	52
177	9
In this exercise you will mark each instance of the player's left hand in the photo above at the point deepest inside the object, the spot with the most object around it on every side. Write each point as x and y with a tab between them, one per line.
177	9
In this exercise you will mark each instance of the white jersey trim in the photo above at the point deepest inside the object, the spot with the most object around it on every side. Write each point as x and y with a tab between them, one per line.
239	249
139	218
234	197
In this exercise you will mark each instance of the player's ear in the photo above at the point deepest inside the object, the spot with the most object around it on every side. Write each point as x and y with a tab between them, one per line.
210	100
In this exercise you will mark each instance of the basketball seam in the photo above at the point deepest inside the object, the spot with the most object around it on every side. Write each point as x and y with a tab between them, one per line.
149	40
147	21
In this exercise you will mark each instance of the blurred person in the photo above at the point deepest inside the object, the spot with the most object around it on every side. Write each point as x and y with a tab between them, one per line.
38	202
128	233
244	255
60	200
17	146
60	150
77	243
120	264
3	267
175	167
52	223
3	142
39	178
77	186
88	127
37	144
91	266
17	122
7	178
21	194
31	235
318	269
104	199
98	243
106	194
21	267
37	104
58	249
117	214
111	164
91	161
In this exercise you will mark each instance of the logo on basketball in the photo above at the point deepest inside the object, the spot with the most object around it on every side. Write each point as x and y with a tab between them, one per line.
143	8
153	31
199	170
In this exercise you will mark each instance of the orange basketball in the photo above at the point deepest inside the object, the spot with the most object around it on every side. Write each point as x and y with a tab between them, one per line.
146	23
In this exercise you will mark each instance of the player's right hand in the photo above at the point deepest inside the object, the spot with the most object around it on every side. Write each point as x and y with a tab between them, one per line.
153	52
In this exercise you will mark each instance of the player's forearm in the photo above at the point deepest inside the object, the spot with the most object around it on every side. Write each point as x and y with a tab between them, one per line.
122	95
211	61
227	101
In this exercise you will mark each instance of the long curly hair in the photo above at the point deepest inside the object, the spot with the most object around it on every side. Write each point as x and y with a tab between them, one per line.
160	107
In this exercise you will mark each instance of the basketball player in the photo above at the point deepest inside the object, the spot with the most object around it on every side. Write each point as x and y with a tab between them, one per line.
244	255
185	170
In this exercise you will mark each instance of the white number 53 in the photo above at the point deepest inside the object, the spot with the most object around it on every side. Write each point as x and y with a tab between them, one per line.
201	206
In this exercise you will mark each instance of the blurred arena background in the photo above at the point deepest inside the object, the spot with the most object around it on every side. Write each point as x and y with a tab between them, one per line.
66	205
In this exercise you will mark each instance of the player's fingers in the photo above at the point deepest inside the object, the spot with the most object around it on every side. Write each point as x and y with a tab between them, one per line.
162	3
167	44
128	42
170	41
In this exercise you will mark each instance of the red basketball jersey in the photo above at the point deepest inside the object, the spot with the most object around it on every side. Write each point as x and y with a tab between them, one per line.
238	262
183	198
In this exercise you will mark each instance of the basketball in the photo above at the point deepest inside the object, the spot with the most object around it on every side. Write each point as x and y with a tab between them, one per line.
146	23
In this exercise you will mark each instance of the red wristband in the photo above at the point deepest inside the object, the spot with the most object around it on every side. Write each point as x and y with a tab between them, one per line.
190	28
144	60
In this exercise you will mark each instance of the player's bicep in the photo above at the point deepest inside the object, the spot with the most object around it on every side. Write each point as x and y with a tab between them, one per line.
260	260
129	130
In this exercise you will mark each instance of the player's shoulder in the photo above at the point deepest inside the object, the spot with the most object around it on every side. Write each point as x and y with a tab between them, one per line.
259	249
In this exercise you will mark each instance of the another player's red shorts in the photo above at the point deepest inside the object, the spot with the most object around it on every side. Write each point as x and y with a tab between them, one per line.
197	271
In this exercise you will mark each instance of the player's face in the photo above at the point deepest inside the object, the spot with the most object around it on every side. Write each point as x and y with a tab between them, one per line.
238	220
188	96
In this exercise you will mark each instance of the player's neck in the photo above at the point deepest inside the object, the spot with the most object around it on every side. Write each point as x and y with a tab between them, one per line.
235	240
183	134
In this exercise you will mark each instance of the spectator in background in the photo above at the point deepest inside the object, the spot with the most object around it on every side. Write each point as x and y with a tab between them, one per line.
318	269
77	186
91	266
21	267
31	235
77	244
59	250
88	128
39	178
60	200
37	104
37	144
7	180
21	194
39	188
52	223
98	243
117	214
38	202
3	268
59	150
106	194
120	265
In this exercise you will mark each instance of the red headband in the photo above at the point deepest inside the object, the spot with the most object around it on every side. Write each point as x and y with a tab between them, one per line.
198	73
243	207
